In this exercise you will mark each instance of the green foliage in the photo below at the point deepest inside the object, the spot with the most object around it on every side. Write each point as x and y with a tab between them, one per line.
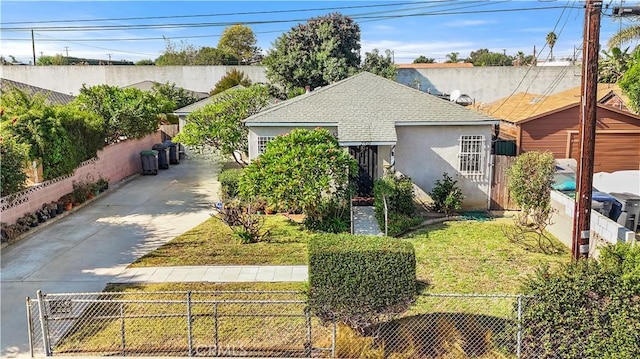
300	170
333	217
229	183
239	41
85	130
212	56
381	65
586	309
232	78
184	54
447	196
613	64
627	34
244	220
145	62
398	191
424	60
13	157
126	113
630	83
219	124
551	40
360	279
530	179
178	96
483	57
324	50
52	60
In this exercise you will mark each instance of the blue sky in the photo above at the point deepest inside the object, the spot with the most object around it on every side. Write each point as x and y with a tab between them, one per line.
408	28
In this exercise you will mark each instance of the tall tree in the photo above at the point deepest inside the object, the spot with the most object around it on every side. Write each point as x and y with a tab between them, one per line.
239	41
381	65
452	58
630	82
324	50
230	79
484	57
424	60
551	40
219	124
613	64
178	96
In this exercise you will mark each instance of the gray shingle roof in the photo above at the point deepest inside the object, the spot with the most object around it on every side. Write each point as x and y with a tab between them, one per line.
52	97
148	86
202	103
366	108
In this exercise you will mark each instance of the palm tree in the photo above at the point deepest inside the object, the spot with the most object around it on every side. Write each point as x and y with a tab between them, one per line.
627	34
452	57
551	41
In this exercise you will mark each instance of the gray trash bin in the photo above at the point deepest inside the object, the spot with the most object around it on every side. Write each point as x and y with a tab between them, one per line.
149	162
163	156
173	152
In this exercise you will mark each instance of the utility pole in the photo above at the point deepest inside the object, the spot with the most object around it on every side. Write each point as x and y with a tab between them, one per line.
588	109
109	63
33	47
66	48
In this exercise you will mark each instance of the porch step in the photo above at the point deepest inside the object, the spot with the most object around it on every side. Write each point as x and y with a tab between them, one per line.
364	221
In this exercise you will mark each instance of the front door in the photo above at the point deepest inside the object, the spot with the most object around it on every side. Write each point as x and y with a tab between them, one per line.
367	157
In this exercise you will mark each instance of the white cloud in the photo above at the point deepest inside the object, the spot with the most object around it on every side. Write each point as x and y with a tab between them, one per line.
465	23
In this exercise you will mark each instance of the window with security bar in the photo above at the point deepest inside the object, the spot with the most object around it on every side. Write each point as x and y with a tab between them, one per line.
471	154
262	143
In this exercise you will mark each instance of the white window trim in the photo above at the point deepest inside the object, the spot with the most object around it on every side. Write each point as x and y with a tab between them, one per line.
262	143
471	147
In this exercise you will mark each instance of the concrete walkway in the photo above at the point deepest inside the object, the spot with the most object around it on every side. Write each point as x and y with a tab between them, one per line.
217	274
365	222
87	249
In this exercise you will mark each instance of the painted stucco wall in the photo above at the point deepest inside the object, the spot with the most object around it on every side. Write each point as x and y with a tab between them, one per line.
69	79
484	84
424	153
255	132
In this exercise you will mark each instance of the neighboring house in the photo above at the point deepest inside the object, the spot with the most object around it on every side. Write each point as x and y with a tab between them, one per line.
52	97
385	124
183	112
551	123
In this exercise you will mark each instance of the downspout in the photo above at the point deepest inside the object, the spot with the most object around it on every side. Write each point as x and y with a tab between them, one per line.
490	169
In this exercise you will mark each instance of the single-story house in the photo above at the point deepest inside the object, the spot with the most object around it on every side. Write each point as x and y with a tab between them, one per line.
51	97
552	122
385	124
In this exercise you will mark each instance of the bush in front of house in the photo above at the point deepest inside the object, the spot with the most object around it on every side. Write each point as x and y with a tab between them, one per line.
13	156
585	309
359	280
229	183
333	216
398	191
447	196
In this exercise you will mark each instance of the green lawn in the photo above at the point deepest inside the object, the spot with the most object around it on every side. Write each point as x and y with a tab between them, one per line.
213	243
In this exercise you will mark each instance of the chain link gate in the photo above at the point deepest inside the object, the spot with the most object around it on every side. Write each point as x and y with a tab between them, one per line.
271	324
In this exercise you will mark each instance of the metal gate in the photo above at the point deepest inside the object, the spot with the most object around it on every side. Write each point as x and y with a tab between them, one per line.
367	157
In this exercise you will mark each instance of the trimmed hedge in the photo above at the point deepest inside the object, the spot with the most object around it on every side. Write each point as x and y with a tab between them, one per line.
360	279
229	182
585	309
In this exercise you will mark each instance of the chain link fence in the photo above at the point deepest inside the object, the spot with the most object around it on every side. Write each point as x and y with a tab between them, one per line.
272	324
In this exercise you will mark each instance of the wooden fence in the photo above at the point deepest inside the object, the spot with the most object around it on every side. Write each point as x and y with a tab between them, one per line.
500	198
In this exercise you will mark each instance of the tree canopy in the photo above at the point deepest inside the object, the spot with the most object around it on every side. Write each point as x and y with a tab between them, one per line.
184	54
239	41
232	78
483	57
321	51
424	60
178	96
219	124
630	82
381	65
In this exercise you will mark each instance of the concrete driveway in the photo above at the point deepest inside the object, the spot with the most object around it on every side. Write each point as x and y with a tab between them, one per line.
83	251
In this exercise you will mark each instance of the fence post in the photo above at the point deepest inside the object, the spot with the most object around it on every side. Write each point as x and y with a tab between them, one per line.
122	330
333	339
215	328
307	344
43	323
30	326
519	335
189	328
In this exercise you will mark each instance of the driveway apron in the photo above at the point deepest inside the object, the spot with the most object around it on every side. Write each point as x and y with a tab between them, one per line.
85	250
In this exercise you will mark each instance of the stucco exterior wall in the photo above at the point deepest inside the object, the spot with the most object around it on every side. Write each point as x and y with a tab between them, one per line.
424	153
484	84
255	132
69	79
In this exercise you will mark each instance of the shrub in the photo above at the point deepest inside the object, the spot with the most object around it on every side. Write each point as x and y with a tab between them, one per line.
13	157
333	217
229	183
398	191
446	195
359	280
585	309
243	220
